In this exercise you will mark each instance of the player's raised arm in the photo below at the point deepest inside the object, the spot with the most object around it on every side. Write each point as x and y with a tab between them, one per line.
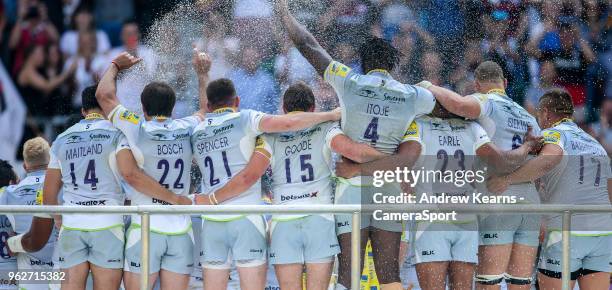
107	88
245	179
453	102
508	161
201	64
296	121
304	40
143	183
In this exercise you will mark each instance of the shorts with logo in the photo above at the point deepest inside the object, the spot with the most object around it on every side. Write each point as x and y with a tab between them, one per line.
439	242
351	194
309	239
170	252
509	229
103	248
242	240
586	252
25	262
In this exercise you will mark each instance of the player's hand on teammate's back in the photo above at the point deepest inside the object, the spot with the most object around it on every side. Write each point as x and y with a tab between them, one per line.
498	184
337	113
184	200
202	199
201	62
346	168
125	61
535	142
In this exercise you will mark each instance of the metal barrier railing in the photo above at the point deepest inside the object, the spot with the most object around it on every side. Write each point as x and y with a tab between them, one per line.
355	210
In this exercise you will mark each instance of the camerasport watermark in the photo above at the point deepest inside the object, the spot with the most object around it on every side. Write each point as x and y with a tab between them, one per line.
15	277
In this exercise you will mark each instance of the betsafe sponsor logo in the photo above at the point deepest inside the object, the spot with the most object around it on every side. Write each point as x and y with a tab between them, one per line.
301	196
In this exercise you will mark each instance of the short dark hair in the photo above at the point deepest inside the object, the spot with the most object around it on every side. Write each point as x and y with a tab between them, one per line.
377	53
489	71
220	92
7	174
88	98
298	97
158	99
558	101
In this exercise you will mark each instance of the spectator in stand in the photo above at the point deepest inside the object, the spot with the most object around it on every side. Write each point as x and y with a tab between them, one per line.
290	67
249	17
85	74
60	98
2	20
431	67
256	87
31	28
602	130
12	117
412	41
547	80
35	86
82	22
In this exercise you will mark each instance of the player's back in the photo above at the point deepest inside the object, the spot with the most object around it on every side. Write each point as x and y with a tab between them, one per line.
581	177
29	192
448	146
505	121
223	144
86	155
301	165
376	109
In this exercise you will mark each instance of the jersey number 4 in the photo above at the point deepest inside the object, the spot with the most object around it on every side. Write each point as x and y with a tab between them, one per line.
371	132
89	178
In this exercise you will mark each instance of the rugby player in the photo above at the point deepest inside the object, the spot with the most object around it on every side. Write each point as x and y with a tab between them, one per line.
85	164
29	192
376	110
508	243
301	174
162	148
451	144
8	262
572	168
223	144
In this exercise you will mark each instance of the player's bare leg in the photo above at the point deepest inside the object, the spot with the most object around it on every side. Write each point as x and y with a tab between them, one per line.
344	258
595	281
131	281
522	261
252	278
432	275
318	275
76	277
215	278
385	249
173	281
289	276
461	275
104	278
492	260
549	283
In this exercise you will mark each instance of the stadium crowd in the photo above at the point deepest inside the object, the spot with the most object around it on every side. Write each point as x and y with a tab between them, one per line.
52	50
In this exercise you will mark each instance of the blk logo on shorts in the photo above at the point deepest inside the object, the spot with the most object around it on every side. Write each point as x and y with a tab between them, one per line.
553	262
113	260
134	264
428	253
342	224
490	236
256	250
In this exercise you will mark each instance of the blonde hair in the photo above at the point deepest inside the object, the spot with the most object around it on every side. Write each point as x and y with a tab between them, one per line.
36	152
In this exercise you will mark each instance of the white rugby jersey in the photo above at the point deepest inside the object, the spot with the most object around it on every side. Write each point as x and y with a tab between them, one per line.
448	145
29	192
580	178
162	148
301	165
506	123
223	145
7	263
86	156
376	109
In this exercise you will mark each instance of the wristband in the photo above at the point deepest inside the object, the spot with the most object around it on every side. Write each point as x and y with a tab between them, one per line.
116	65
14	244
213	198
424	84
